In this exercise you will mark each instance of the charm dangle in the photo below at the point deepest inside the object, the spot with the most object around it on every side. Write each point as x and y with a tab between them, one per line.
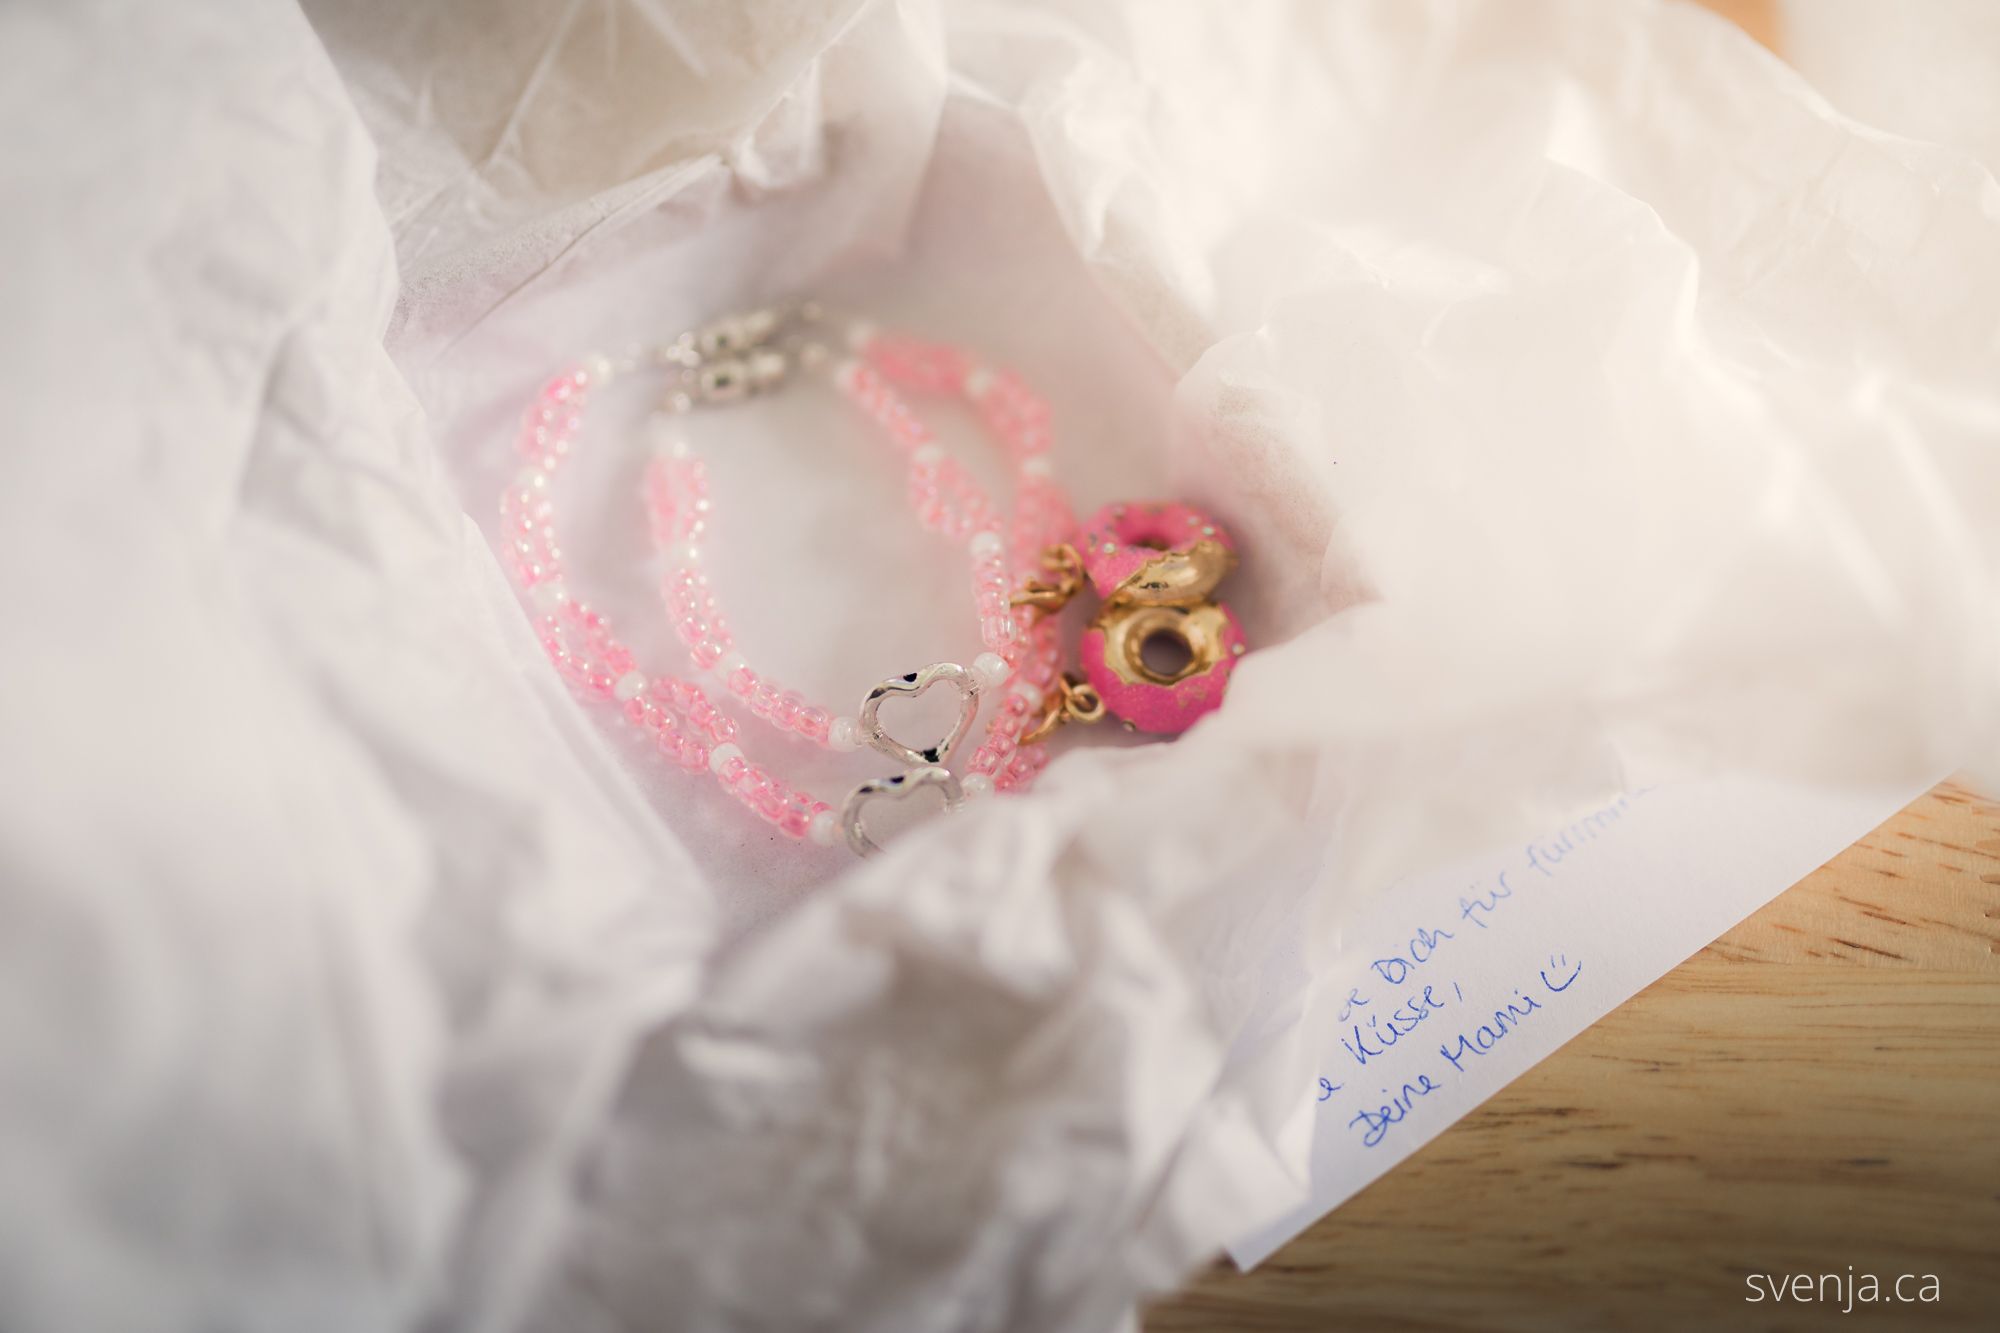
1156	566
1201	643
1159	651
1070	699
1048	596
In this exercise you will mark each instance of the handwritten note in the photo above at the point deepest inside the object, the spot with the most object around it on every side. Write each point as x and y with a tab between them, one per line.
1456	984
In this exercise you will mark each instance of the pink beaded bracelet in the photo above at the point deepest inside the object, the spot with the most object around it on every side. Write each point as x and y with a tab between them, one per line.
1010	551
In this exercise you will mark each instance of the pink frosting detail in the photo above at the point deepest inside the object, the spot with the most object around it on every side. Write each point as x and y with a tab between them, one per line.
1163	710
1119	539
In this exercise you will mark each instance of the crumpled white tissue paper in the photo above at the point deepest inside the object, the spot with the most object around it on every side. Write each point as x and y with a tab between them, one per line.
1594	402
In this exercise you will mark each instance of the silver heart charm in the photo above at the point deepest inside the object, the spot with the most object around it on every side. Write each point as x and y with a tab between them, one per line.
914	684
894	789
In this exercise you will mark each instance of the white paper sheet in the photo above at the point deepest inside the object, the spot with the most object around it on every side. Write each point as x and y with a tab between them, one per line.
353	975
1454	985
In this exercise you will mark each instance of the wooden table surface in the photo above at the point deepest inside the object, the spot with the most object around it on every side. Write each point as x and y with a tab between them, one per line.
1819	1088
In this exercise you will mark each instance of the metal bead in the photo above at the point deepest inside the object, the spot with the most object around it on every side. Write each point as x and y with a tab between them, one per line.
766	369
722	338
723	381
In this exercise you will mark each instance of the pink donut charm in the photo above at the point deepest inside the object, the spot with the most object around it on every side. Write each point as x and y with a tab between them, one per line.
1164	554
1162	700
1160	650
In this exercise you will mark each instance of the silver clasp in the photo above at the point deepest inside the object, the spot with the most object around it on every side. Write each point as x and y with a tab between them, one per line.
739	355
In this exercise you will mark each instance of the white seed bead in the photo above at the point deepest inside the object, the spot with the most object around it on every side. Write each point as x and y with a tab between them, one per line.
844	734
977	381
824	829
598	366
992	669
532	479
859	334
927	453
719	757
728	665
683	553
546	597
976	785
1038	466
1030	693
986	545
629	687
668	440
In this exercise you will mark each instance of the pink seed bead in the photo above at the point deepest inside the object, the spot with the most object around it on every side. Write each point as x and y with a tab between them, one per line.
733	772
742	682
706	653
785	712
694	755
814	723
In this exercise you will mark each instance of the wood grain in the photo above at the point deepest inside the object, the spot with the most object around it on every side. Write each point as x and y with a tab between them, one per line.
1819	1088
